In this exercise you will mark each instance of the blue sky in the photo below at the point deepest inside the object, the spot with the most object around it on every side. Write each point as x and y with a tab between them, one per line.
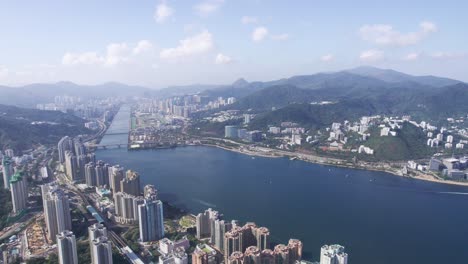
175	42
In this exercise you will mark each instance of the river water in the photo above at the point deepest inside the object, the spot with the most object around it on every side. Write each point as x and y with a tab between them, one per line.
380	218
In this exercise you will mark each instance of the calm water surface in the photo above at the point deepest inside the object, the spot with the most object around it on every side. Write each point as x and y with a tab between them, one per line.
378	217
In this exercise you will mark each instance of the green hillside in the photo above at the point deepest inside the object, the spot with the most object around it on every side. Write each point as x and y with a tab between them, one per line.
21	128
410	143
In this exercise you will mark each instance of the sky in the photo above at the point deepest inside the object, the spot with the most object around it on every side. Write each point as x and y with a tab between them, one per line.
159	43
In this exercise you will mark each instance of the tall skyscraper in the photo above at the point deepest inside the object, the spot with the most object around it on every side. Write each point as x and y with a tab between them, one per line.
333	254
262	235
151	220
95	232
19	192
268	256
79	148
131	183
90	174
71	166
65	144
101	250
253	255
81	161
116	174
56	210
126	207
282	254
7	171
205	223
232	242
150	192
236	257
221	227
66	244
102	172
295	249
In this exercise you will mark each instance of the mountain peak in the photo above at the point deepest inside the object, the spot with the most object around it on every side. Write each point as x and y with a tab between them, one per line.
240	83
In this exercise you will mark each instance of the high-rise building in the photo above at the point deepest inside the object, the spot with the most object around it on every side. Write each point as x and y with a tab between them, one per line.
101	250
102	172
116	174
268	256
19	192
7	171
295	249
150	192
151	220
71	166
232	242
205	223
262	235
221	227
66	244
333	254
282	254
246	118
81	161
253	255
95	232
230	131
131	183
236	257
204	254
90	174
249	235
56	210
126	207
79	148
65	144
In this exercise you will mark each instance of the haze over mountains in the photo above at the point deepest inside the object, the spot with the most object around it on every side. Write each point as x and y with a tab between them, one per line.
358	83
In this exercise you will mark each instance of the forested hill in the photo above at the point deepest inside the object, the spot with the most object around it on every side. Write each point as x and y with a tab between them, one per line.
22	128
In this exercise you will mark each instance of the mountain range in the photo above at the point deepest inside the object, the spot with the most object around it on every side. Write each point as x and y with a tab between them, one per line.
389	90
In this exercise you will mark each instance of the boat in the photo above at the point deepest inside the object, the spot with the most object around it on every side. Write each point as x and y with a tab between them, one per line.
293	158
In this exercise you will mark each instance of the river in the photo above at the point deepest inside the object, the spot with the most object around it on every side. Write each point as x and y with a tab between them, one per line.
380	218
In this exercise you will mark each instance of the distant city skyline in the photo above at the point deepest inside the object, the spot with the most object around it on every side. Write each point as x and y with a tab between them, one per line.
161	43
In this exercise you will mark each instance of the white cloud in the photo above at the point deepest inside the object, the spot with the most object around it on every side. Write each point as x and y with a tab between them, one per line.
383	34
428	27
163	12
4	72
197	44
142	47
116	53
327	58
259	34
280	37
448	55
371	55
249	20
86	58
412	56
207	7
222	59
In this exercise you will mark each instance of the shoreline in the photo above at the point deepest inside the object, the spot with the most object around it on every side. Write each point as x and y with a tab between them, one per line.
339	163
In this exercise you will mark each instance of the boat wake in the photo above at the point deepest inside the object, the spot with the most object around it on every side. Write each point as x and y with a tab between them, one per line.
205	203
454	193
